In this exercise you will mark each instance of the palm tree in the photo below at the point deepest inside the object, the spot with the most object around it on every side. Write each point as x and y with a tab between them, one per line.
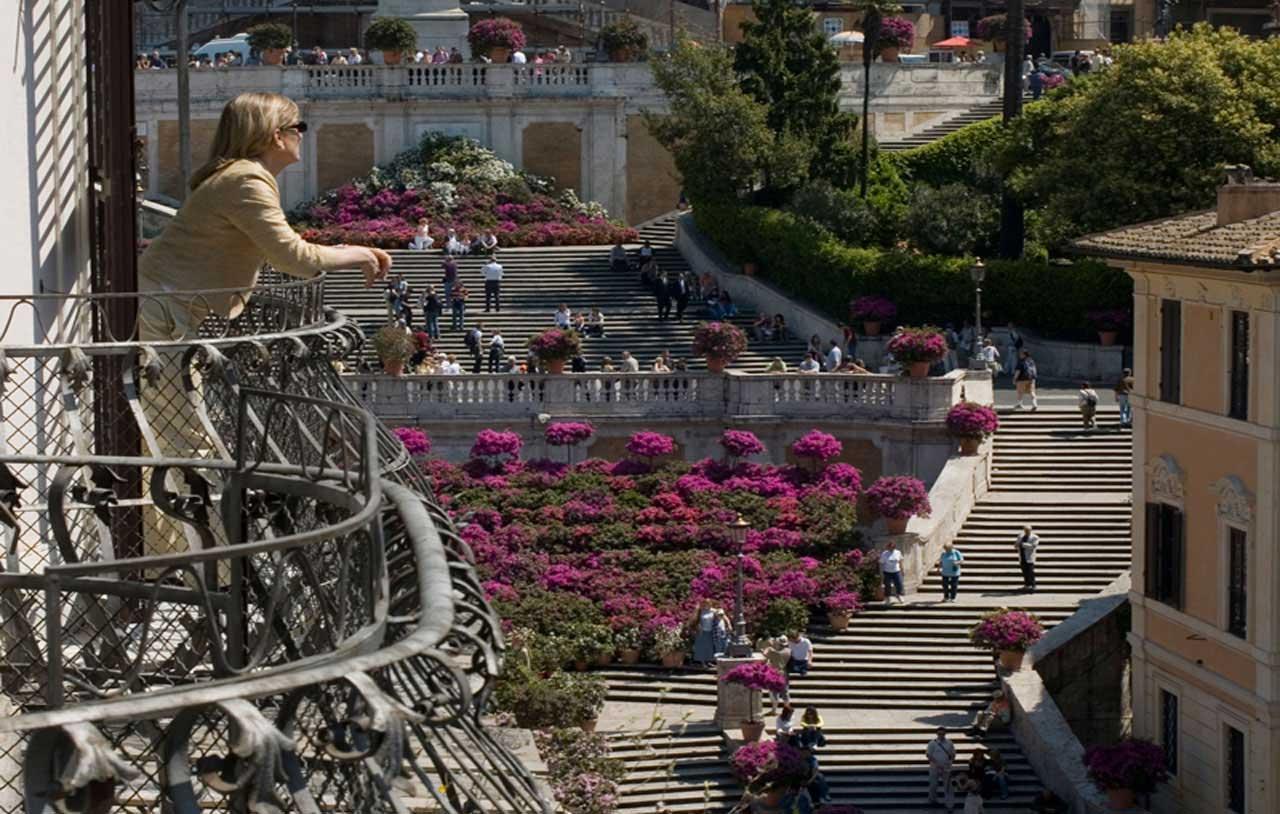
873	11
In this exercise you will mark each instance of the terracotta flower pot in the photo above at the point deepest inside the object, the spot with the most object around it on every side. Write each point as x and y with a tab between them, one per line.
918	370
581	665
889	54
499	54
1107	338
717	364
629	656
272	56
838	620
673	659
604	659
392	57
393	367
1120	799
1011	660
752	731
897	525
589	725
870	328
555	365
969	445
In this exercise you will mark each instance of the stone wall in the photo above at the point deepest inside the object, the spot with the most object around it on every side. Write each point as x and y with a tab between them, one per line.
554	149
1088	678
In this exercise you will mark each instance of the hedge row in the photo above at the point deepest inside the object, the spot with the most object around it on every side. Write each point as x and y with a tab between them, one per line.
958	158
807	262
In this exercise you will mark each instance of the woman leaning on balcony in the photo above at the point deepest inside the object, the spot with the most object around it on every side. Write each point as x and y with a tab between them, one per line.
232	223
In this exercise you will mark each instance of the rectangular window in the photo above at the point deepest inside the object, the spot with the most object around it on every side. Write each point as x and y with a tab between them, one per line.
1239	365
832	26
1237	584
1171	351
1236	771
1165	554
1121	26
1169	729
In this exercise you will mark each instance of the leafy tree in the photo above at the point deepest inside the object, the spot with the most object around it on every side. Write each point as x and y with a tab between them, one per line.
1147	137
873	11
953	219
718	134
787	66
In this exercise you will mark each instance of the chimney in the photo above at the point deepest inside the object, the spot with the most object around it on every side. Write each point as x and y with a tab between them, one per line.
1241	197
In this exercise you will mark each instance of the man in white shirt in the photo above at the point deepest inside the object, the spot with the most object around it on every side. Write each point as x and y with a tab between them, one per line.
941	754
891	570
564	317
474	341
1027	543
834	357
801	654
452	368
492	273
810	364
518	58
497	349
629	363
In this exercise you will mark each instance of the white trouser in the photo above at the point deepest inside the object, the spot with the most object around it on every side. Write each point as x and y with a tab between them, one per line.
941	775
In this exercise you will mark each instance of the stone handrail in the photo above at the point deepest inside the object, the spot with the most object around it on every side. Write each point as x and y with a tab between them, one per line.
691	395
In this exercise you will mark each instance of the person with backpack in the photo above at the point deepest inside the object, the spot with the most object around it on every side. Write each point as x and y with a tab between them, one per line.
497	350
1027	544
1024	379
1088	399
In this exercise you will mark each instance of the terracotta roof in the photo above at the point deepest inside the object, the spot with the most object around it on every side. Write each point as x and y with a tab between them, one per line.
1192	239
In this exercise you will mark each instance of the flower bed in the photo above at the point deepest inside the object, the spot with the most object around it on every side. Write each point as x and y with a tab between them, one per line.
1130	764
456	184
756	676
968	419
1006	629
872	309
415	440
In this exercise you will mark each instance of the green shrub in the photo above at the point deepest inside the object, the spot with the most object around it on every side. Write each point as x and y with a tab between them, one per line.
560	699
962	157
953	219
782	617
390	34
270	35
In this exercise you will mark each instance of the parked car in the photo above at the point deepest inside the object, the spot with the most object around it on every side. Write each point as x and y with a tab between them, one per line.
211	50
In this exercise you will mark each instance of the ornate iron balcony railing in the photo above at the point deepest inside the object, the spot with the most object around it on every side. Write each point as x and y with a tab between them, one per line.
225	587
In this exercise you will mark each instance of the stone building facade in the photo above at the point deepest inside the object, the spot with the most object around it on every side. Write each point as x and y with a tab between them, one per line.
1206	520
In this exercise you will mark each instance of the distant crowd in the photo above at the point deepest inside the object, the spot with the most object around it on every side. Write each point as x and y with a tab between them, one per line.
345	56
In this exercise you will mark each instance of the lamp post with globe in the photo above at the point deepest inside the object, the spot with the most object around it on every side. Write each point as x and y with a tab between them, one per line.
739	645
978	272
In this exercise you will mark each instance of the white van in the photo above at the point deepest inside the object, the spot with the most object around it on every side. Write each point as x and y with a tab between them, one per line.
239	45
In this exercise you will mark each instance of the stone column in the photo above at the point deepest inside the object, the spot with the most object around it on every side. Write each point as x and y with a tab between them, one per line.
734	702
438	22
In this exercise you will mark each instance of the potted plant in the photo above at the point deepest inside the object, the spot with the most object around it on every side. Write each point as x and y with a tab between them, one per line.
996	29
872	312
971	423
1125	769
415	441
817	447
739	444
270	40
568	434
584	698
392	36
394	345
1109	323
916	349
496	38
1008	632
896	34
669	645
627	640
719	343
757	677
897	498
623	40
554	347
591	642
841	606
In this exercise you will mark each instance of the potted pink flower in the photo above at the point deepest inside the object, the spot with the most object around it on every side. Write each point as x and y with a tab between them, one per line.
1125	769
916	349
841	606
568	434
817	447
495	447
415	441
971	423
650	445
1009	633
758	677
896	34
496	38
872	312
554	347
740	444
897	498
996	28
1108	322
719	343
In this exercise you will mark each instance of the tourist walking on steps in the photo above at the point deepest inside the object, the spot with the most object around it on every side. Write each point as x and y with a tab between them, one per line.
431	311
458	307
1124	387
663	295
949	565
941	754
1088	399
1012	347
1026	544
777	654
492	272
450	277
1024	379
497	350
712	638
891	571
809	739
678	290
801	654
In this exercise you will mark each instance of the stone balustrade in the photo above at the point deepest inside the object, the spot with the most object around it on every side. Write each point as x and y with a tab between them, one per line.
681	396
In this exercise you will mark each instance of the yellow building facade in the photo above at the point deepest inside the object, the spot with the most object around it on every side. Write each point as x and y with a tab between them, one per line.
1206	514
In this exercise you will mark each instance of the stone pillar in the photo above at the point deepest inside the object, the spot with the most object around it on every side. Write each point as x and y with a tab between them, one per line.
734	702
438	22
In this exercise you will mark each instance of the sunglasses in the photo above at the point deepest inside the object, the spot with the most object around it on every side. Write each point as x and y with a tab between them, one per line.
299	127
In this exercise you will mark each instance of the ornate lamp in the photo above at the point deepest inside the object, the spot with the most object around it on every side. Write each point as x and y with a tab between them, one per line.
978	272
739	645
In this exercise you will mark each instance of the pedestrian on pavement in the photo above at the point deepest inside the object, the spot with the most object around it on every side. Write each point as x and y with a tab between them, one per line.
1013	346
431	310
1124	388
949	564
941	754
662	293
712	638
458	307
801	654
1088	399
492	273
474	341
1024	379
777	653
990	357
449	278
678	289
1026	544
891	570
497	350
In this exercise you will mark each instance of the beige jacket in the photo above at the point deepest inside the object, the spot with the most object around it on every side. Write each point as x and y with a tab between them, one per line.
229	226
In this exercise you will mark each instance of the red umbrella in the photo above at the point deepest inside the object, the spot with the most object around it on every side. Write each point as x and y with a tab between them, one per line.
954	42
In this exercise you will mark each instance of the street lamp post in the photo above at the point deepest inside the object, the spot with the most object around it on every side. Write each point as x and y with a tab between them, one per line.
978	272
739	645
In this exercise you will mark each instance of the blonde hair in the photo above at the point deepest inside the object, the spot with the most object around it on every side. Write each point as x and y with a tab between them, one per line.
246	128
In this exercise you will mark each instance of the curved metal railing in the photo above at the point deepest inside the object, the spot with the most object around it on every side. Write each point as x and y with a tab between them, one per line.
226	587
